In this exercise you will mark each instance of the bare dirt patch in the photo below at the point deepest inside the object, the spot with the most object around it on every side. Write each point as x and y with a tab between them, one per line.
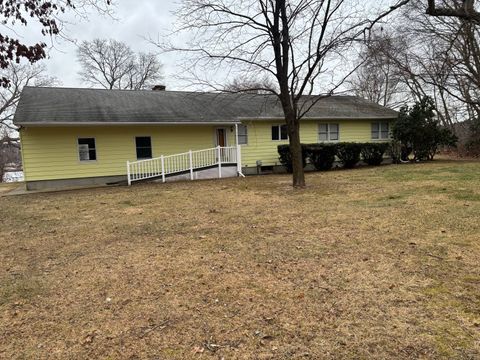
369	263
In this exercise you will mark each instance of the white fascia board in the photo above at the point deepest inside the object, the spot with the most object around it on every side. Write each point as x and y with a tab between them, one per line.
49	124
320	118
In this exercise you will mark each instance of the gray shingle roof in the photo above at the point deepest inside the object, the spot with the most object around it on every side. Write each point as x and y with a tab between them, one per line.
43	105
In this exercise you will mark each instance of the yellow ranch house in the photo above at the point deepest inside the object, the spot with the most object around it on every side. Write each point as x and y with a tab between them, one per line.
76	137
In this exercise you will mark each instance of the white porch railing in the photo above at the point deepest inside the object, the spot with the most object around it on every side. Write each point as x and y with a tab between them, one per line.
184	162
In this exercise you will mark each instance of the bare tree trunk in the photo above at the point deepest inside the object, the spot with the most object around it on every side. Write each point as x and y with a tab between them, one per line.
293	126
2	170
447	118
289	41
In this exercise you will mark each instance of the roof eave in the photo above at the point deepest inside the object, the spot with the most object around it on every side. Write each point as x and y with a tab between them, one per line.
233	122
317	118
100	123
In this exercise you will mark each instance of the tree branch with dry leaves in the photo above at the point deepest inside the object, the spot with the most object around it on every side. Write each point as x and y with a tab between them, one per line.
45	14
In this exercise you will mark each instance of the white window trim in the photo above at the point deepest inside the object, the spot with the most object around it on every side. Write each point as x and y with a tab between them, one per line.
78	150
279	132
135	146
328	133
238	135
380	138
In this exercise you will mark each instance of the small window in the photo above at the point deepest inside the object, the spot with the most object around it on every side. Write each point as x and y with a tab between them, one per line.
328	132
380	131
242	135
279	132
143	146
86	149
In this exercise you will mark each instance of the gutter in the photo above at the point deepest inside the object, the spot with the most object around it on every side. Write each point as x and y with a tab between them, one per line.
99	123
277	118
228	123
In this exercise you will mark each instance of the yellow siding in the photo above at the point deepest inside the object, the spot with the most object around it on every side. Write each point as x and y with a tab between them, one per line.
349	130
260	144
52	152
262	147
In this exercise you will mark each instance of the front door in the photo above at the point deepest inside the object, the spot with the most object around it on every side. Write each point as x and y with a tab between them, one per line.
221	137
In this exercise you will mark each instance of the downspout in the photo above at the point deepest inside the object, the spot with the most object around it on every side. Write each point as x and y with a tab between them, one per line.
239	153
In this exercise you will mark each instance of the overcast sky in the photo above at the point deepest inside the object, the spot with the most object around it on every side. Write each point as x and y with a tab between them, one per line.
134	20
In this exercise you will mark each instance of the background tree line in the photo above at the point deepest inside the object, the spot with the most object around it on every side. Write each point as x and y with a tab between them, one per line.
420	55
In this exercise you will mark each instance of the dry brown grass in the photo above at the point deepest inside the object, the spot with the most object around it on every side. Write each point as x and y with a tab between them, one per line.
7	187
370	263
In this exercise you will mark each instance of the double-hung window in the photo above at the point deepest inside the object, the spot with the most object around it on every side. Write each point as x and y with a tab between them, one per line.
86	149
143	145
279	132
380	131
242	134
328	132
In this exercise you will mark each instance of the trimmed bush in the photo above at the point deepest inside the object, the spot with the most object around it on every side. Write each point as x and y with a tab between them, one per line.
286	158
349	153
322	156
372	153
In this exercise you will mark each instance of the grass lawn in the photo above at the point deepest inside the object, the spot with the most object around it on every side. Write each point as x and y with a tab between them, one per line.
368	263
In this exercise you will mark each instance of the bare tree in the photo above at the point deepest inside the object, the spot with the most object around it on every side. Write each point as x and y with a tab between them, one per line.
4	141
9	152
112	64
300	45
251	86
378	79
428	55
443	57
20	75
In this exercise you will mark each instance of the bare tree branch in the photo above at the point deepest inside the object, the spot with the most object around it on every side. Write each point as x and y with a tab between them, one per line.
293	44
20	75
466	11
112	64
